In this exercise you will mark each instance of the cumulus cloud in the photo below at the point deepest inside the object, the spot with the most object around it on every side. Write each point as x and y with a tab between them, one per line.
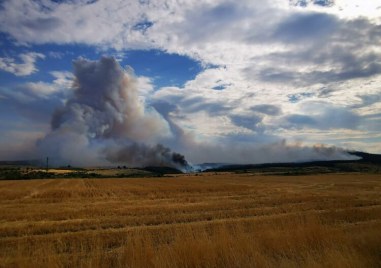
99	22
32	95
27	66
63	79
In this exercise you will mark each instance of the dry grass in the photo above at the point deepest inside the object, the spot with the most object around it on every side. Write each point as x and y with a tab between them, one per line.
213	220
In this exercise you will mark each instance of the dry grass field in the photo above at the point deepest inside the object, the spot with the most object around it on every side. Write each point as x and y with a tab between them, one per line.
209	220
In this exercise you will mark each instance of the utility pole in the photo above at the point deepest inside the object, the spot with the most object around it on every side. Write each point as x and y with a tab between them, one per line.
47	164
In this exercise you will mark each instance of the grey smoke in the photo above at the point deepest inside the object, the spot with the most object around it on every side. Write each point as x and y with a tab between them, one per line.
272	152
105	121
142	155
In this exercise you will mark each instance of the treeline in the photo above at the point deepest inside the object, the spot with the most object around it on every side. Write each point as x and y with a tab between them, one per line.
13	173
18	174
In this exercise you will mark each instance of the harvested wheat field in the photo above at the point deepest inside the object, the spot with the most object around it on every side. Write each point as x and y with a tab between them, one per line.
209	220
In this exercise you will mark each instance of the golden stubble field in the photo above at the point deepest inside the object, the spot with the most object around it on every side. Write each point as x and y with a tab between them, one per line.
209	220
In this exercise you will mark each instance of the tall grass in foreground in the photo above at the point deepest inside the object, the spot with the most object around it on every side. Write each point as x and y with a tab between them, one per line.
187	222
291	242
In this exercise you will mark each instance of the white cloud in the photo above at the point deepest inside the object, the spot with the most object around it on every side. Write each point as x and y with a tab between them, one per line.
56	54
40	89
36	96
27	66
63	79
145	85
102	23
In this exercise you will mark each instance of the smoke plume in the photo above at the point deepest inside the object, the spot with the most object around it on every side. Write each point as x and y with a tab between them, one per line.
158	154
105	121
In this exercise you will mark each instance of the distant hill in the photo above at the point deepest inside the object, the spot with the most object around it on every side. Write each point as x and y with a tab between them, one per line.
367	163
366	157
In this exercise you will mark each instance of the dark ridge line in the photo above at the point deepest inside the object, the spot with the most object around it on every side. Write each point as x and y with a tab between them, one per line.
365	158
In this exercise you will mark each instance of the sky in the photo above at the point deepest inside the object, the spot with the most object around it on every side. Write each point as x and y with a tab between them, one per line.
215	80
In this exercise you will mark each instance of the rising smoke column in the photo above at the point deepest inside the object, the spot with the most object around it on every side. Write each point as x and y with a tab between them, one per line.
106	121
158	155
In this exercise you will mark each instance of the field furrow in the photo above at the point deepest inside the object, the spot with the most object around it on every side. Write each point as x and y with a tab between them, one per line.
267	221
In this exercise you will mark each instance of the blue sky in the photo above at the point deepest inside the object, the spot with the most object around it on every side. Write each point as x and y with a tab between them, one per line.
230	81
